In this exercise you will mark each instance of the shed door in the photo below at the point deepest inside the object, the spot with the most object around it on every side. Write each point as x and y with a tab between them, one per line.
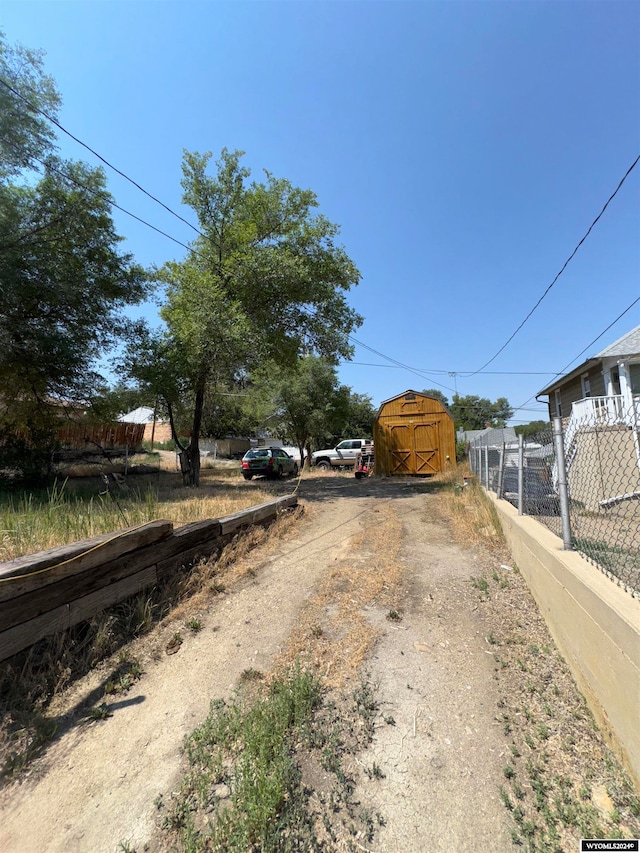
413	449
425	438
400	449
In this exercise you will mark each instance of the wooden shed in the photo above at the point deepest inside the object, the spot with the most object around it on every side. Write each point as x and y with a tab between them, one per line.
413	434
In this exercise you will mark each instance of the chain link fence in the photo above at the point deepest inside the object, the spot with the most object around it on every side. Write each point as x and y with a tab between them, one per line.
581	480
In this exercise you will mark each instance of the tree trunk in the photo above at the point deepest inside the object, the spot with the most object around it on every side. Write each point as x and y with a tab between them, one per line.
193	451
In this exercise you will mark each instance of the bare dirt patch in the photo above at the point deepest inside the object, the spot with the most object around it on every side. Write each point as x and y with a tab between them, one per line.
371	591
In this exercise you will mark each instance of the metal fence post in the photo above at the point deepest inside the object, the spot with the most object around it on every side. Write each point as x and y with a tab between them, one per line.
500	472
520	474
563	491
486	467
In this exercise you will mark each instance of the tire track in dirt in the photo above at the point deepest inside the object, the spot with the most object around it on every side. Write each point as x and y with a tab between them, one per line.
443	757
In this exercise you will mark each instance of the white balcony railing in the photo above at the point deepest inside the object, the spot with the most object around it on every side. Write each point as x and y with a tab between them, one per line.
606	411
598	411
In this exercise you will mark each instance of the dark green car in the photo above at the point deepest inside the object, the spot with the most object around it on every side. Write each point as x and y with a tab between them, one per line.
272	462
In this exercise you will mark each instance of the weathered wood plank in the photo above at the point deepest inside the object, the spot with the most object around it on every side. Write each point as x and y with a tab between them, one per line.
71	559
40	601
20	636
255	514
168	567
81	579
87	606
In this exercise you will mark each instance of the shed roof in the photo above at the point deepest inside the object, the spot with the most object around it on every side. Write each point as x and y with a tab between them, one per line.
418	394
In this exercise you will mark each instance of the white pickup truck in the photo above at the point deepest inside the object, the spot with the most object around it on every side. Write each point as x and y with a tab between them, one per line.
342	456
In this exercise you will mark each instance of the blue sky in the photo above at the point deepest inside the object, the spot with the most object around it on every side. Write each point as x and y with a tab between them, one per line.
463	147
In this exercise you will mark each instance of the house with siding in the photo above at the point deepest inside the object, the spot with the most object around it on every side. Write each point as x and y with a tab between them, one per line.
599	403
609	380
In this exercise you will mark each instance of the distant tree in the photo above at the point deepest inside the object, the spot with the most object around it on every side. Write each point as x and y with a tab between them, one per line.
532	428
225	413
360	417
434	392
472	412
310	403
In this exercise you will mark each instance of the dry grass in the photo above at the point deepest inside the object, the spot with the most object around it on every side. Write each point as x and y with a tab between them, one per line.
75	510
332	632
469	512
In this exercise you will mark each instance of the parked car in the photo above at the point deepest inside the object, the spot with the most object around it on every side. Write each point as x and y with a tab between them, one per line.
342	456
273	462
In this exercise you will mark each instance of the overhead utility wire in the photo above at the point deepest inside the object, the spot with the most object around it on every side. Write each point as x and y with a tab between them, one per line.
413	370
31	106
109	198
36	109
595	340
588	346
400	364
566	263
458	372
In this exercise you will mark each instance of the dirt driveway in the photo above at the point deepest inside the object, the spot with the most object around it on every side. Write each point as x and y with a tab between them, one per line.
98	787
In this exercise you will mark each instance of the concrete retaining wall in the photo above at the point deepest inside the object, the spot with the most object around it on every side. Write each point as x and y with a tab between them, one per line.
595	624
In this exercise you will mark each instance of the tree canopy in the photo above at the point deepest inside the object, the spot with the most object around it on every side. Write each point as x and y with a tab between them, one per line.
265	281
63	281
310	404
533	428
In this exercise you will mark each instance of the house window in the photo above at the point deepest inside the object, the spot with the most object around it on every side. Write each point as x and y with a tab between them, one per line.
634	378
586	385
558	404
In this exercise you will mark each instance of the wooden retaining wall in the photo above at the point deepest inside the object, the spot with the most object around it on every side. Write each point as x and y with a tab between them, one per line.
48	592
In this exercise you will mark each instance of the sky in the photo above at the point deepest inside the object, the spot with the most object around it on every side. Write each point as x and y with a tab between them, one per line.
464	148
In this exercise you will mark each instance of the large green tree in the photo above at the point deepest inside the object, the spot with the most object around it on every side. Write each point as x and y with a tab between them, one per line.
63	280
265	281
25	134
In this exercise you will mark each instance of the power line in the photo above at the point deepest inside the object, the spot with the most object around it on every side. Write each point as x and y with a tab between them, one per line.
395	363
566	263
418	372
107	197
54	121
400	364
588	346
595	340
448	372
